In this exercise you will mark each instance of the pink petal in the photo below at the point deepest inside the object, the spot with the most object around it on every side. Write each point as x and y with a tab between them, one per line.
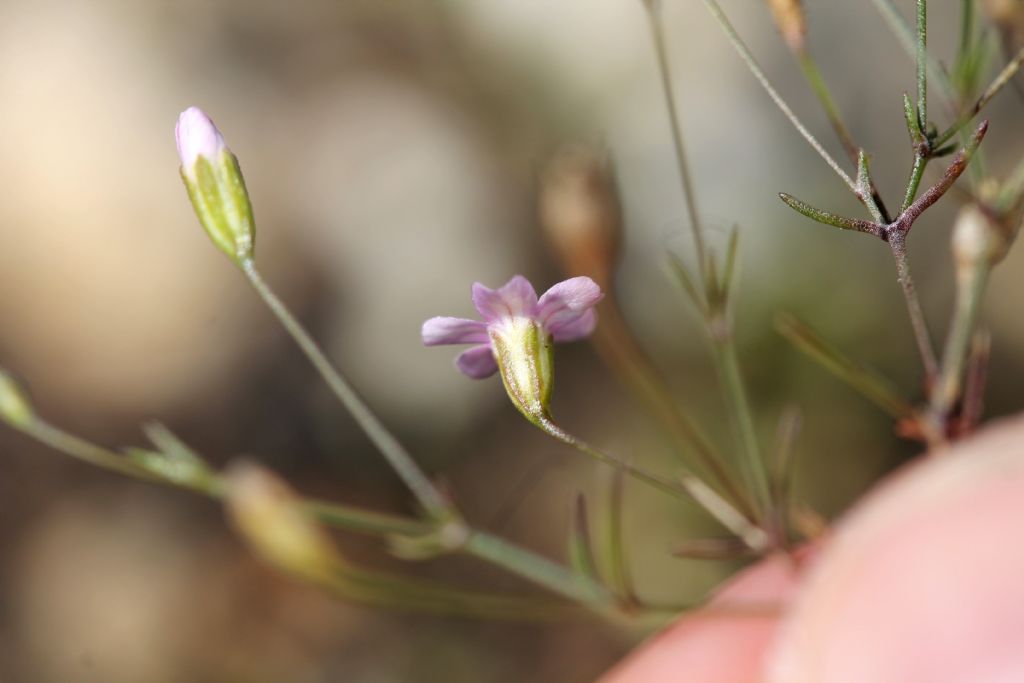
562	308
196	136
575	329
445	330
515	297
477	362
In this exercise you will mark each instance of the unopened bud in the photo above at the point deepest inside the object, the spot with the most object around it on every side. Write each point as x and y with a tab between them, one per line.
267	514
525	359
580	212
1008	15
978	241
15	408
789	18
215	185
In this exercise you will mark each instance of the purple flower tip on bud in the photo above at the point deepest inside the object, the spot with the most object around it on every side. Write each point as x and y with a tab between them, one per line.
196	136
215	185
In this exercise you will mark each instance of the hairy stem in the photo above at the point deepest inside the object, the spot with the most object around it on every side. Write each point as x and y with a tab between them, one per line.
914	183
922	64
897	243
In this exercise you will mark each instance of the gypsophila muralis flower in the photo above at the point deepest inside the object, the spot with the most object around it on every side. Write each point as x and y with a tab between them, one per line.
516	334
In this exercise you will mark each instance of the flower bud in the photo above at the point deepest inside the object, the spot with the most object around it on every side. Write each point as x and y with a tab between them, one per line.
789	18
267	514
580	213
525	359
977	240
15	408
215	185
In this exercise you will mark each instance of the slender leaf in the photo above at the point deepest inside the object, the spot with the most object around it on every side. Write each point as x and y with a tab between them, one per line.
865	380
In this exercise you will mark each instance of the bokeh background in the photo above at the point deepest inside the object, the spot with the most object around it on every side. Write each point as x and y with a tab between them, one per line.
393	151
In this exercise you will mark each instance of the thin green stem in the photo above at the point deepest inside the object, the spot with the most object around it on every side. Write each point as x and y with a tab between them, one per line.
332	514
668	91
1008	72
867	381
479	544
914	183
1012	191
417	595
922	64
970	292
818	86
428	495
80	449
782	471
908	41
865	188
537	569
755	69
734	389
663	484
753	536
620	349
364	521
966	29
620	575
897	243
812	74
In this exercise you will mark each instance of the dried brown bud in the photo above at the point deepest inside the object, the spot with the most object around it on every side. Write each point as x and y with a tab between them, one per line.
1005	12
789	18
1008	17
580	213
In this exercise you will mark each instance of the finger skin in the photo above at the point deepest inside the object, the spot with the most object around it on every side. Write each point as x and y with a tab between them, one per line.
923	580
725	643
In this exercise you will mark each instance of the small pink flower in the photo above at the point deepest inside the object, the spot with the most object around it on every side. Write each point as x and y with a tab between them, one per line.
563	313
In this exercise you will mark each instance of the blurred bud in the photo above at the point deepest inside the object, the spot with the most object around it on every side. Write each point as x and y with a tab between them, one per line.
215	185
15	408
1008	18
978	240
580	212
525	357
266	512
789	18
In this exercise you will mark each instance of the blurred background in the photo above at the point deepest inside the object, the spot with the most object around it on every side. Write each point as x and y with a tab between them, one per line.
393	150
